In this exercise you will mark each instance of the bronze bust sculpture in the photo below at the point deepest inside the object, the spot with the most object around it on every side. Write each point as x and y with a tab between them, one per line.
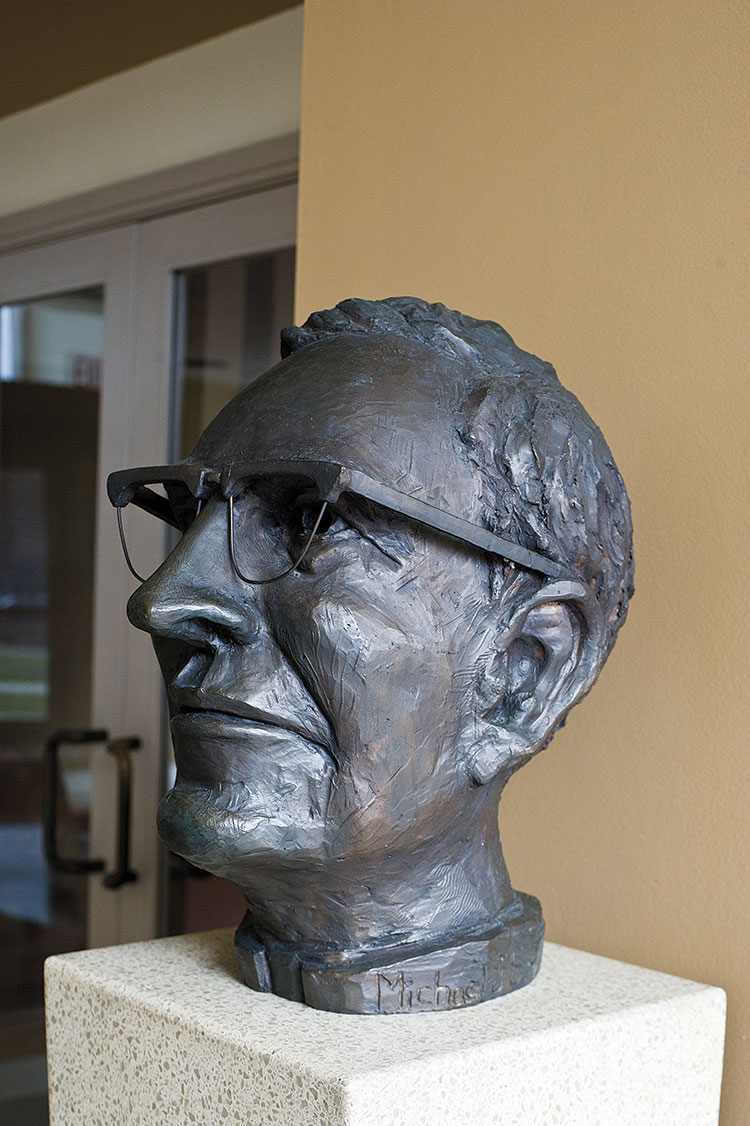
406	556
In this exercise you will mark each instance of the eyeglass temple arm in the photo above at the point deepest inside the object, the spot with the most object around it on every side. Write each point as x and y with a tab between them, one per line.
154	504
332	480
351	480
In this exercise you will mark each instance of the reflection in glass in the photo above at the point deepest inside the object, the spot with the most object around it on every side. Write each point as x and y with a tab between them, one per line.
24	652
229	316
50	364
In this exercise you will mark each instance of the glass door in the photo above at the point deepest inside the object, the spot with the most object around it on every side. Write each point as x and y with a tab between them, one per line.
115	349
63	325
49	437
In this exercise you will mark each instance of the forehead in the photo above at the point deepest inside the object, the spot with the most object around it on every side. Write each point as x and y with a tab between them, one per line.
386	406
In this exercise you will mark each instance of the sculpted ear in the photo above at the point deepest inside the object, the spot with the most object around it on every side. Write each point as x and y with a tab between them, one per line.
546	658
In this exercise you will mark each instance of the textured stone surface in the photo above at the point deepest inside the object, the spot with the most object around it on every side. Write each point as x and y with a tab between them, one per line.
163	1032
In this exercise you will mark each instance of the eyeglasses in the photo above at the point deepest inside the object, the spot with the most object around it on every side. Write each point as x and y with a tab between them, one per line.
187	486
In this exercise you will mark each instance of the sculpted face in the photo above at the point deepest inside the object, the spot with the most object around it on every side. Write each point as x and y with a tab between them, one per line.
316	719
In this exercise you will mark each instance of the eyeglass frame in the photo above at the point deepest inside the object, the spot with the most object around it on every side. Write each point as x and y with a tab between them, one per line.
130	486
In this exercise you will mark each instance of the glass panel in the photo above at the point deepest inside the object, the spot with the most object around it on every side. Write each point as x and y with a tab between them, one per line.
227	333
228	317
50	363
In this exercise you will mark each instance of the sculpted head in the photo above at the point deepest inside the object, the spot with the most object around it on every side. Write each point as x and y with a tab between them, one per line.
343	734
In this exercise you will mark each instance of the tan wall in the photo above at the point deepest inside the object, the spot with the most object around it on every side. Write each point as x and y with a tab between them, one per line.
579	171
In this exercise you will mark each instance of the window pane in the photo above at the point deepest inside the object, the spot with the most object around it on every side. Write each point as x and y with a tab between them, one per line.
50	363
229	318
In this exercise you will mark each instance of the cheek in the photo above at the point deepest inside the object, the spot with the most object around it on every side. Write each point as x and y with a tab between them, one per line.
386	687
373	668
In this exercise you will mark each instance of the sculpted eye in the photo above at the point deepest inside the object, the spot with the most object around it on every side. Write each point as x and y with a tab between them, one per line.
304	513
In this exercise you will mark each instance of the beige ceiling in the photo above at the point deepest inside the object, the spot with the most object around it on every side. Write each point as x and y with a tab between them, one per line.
49	47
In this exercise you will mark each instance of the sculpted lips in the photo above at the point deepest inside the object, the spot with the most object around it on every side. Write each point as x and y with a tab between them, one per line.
305	719
219	746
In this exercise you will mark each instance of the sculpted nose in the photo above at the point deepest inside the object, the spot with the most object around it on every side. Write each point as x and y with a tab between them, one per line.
194	596
198	617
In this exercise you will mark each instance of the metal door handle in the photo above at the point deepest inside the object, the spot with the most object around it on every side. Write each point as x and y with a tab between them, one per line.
121	749
51	788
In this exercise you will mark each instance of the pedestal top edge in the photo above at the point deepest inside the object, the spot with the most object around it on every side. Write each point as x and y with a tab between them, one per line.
192	980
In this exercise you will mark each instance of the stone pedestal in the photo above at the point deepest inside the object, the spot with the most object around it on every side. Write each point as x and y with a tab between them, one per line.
164	1032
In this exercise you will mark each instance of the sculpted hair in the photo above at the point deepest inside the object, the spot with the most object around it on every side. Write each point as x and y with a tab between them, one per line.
548	478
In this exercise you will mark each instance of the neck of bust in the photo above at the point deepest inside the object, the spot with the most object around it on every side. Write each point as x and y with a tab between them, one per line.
454	886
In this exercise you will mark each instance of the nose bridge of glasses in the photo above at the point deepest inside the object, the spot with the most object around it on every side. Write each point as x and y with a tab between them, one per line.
209	545
329	478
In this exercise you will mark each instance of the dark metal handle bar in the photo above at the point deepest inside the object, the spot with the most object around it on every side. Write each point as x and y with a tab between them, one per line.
51	789
73	866
121	749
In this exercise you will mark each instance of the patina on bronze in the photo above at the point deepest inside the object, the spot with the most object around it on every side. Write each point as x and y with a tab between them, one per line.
406	556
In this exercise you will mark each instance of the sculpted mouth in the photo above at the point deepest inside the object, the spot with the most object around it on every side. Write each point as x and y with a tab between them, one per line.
213	746
190	717
250	717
